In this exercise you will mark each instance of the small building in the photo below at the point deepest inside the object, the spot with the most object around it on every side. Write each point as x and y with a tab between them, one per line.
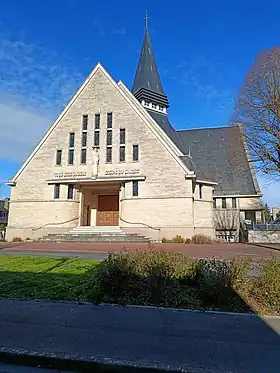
113	159
4	211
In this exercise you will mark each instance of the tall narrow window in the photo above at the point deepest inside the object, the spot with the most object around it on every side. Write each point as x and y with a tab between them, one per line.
109	120
71	156
214	203
135	188
71	140
108	155
58	157
200	190
96	138
135	153
97	122
109	140
122	145
122	136
109	137
85	122
234	205
122	153
83	156
84	140
71	148
224	203
70	193
56	191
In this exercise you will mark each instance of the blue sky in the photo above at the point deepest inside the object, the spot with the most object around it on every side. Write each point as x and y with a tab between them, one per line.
203	50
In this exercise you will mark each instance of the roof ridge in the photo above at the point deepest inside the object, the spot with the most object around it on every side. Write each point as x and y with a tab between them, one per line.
206	128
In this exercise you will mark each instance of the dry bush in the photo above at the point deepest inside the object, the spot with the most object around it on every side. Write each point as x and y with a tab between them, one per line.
267	286
17	239
201	239
167	279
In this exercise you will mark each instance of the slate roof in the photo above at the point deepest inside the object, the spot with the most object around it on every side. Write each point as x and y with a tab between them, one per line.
218	155
163	121
147	75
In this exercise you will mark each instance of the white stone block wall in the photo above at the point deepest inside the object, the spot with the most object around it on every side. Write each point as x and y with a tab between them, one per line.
165	198
32	202
264	236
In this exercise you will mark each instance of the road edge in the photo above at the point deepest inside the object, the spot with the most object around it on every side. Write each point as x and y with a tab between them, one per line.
63	362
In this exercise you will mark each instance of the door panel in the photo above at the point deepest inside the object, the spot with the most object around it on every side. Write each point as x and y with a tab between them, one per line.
108	210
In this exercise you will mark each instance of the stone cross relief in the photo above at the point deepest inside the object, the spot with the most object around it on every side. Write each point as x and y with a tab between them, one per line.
95	162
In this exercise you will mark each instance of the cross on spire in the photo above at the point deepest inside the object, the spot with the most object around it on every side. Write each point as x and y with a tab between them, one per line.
146	19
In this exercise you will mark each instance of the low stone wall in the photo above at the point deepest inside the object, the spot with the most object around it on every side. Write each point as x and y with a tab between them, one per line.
32	234
157	234
272	236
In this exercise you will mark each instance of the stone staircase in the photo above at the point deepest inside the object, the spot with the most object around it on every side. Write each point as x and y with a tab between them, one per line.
110	234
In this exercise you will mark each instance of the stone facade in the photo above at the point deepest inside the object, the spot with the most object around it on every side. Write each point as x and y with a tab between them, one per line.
165	203
169	200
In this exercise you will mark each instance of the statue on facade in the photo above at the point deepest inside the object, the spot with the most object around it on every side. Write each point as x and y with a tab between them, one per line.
95	162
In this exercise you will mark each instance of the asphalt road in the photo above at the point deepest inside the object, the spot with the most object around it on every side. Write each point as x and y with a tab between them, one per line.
6	368
197	342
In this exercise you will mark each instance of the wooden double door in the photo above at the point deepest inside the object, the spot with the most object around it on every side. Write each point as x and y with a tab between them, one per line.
108	210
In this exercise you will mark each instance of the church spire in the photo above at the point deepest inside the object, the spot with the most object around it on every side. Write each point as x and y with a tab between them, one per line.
147	87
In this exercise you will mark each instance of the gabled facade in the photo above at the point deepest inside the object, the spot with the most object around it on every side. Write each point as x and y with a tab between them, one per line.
112	158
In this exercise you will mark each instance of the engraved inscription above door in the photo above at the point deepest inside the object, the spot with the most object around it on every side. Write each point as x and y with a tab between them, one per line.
108	210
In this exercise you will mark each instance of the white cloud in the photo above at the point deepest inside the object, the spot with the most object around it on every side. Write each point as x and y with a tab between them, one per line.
207	83
271	190
21	129
35	84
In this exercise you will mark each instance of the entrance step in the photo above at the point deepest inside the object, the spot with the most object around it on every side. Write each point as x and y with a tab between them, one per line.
90	230
95	234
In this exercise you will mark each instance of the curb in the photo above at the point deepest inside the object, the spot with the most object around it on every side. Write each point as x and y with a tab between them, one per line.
169	309
7	245
188	310
74	363
265	246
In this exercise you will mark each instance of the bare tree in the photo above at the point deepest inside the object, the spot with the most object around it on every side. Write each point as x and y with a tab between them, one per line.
258	110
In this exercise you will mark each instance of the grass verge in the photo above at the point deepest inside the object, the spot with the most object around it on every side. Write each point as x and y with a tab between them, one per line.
45	277
146	278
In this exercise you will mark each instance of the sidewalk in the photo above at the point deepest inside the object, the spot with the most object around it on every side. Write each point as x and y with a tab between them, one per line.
227	250
110	336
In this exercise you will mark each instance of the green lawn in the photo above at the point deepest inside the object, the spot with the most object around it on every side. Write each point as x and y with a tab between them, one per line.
45	277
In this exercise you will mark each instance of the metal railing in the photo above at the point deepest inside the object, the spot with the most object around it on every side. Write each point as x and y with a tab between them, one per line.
263	226
56	223
138	223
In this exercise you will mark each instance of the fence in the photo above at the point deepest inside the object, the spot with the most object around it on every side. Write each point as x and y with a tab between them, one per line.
263	226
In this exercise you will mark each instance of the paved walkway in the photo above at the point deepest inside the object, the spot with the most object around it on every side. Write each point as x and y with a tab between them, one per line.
7	368
197	251
194	341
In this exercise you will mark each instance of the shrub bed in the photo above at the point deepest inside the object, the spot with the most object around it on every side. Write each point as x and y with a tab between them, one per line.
170	280
266	289
146	278
196	239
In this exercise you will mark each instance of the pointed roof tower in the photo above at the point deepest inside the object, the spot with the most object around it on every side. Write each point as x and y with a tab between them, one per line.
147	87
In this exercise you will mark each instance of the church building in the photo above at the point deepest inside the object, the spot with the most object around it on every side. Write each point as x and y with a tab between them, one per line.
112	162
